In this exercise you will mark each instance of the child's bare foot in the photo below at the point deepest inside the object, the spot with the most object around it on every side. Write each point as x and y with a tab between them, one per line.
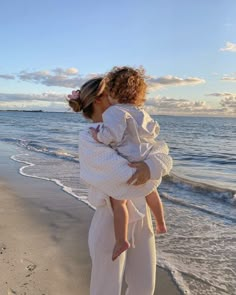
161	228
119	248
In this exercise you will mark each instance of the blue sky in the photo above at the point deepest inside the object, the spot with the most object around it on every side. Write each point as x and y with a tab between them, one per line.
188	49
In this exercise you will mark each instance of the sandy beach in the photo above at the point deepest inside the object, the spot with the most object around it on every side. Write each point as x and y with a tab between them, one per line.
43	238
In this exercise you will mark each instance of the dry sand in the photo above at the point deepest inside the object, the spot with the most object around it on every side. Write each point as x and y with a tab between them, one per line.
43	238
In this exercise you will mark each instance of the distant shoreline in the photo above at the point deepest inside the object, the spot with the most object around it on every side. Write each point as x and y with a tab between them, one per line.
33	111
164	115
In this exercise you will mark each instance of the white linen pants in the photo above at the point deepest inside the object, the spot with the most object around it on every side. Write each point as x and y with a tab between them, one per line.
138	264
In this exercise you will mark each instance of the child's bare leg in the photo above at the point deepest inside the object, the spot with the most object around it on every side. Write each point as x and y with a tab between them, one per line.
121	218
155	204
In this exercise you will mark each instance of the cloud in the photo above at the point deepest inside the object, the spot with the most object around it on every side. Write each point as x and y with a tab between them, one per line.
157	83
231	79
60	77
170	106
52	101
70	78
229	103
221	94
229	47
47	101
69	71
7	77
57	77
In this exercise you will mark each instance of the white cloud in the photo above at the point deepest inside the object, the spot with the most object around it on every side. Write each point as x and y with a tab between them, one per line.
67	72
72	71
171	106
156	83
47	101
231	79
229	47
57	77
68	78
229	103
60	77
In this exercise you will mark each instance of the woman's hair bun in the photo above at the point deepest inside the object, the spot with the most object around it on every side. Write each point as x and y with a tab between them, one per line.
74	101
75	105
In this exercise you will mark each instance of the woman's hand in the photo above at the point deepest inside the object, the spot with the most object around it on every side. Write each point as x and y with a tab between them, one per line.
141	175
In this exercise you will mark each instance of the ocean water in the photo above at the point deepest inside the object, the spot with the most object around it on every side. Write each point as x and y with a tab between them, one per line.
199	196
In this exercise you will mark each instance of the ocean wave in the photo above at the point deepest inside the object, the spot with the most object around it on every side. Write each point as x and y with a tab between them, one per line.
177	274
220	193
65	188
48	150
196	207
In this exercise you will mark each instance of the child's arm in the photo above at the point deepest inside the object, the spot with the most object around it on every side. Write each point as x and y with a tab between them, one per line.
113	127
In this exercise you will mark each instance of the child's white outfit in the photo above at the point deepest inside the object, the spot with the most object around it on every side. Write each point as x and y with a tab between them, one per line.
129	130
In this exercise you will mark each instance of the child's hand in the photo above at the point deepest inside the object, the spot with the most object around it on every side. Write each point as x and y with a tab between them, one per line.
94	133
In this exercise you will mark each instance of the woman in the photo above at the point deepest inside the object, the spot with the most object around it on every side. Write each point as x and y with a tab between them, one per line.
108	174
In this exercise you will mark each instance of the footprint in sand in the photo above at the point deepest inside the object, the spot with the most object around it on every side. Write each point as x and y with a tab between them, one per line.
30	265
2	248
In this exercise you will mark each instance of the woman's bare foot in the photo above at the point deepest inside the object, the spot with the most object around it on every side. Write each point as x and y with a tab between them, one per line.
161	228
119	248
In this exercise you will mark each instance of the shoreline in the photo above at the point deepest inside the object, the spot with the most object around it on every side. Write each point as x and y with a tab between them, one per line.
38	217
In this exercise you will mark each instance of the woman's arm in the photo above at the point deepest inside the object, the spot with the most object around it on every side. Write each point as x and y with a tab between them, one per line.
157	165
159	161
100	165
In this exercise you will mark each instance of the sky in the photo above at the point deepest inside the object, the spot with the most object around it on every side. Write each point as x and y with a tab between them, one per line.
188	49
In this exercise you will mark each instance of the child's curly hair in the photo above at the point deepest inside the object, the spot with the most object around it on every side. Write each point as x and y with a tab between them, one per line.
127	85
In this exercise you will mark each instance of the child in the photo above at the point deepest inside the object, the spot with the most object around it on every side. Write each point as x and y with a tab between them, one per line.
129	130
